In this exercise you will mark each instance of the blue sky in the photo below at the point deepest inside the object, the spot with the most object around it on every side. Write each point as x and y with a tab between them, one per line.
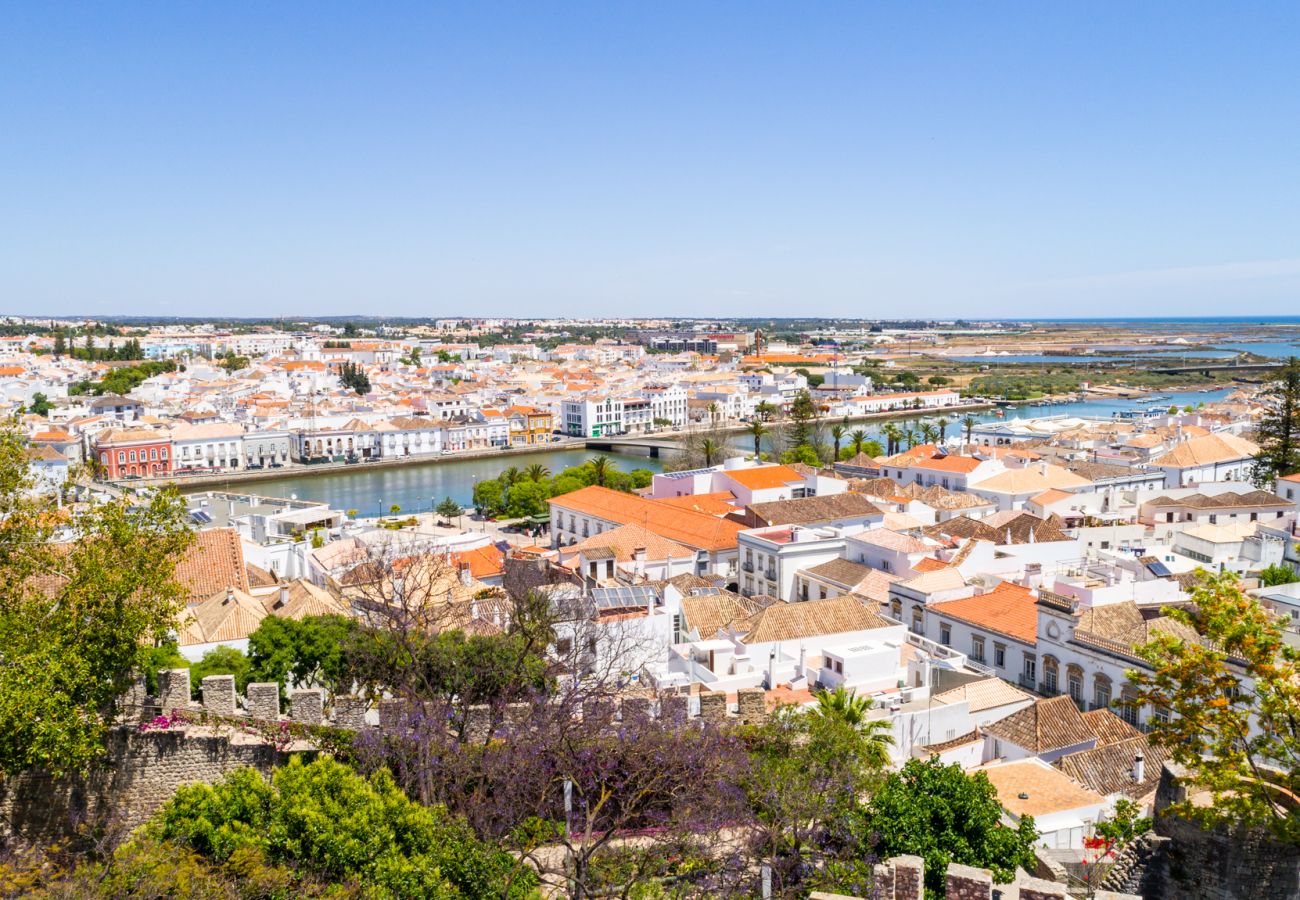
864	159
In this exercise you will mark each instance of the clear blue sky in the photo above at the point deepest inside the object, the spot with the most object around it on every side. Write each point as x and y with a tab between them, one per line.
867	159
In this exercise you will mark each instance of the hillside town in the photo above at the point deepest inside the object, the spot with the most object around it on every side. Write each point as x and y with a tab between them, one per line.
986	593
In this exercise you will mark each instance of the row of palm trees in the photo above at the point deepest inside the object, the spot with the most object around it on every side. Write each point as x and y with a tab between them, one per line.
897	439
601	467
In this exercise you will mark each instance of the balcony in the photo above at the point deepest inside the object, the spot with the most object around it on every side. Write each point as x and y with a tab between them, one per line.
1027	682
748	567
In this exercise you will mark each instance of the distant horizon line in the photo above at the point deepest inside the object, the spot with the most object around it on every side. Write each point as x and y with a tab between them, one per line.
370	317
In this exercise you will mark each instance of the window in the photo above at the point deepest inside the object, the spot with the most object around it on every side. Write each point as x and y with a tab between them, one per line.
945	635
999	656
132	456
1101	694
1075	685
121	456
1031	667
153	452
917	619
977	648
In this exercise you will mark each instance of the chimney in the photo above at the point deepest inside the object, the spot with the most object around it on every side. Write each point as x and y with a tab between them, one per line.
463	570
473	610
1042	467
230	594
638	560
284	596
1139	767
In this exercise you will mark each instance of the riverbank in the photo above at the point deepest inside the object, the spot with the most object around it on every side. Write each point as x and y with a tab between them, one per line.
301	470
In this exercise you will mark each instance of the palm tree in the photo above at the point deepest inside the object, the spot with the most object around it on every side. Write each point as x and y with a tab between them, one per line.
838	430
909	435
969	424
943	429
537	472
847	708
601	466
929	433
764	410
857	439
892	437
757	430
709	448
713	413
510	476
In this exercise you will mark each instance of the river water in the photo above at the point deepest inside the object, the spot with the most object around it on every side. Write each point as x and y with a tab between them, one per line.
420	486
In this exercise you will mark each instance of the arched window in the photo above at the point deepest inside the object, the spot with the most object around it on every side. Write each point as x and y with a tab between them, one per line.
1101	691
1051	675
1074	681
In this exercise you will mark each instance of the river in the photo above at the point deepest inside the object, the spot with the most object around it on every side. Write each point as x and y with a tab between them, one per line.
420	486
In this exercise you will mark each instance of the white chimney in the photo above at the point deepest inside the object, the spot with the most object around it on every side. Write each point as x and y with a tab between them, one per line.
1139	767
230	593
638	560
284	595
771	669
463	569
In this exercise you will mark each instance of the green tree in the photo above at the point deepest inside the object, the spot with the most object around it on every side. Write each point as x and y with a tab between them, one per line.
810	776
846	707
942	425
354	377
803	417
943	815
220	661
60	343
838	430
40	405
801	454
537	472
76	616
489	496
165	654
449	508
757	430
1274	575
939	380
969	424
601	467
297	652
1278	430
893	436
709	448
527	498
325	819
857	439
1240	745
765	411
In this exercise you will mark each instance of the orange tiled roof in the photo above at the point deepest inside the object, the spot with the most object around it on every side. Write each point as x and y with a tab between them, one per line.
764	477
214	562
1008	609
693	529
719	503
961	464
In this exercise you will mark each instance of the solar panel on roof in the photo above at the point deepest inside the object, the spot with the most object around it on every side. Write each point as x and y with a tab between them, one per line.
1158	569
201	517
623	597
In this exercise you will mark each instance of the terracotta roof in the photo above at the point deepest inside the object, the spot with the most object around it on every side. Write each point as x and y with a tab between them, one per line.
696	530
1109	769
1019	525
1046	726
1123	623
623	540
811	618
987	693
841	571
484	562
928	564
707	614
300	599
1007	609
892	540
764	477
214	562
718	503
963	465
1207	450
1226	500
228	615
1047	790
810	510
1109	728
1031	480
